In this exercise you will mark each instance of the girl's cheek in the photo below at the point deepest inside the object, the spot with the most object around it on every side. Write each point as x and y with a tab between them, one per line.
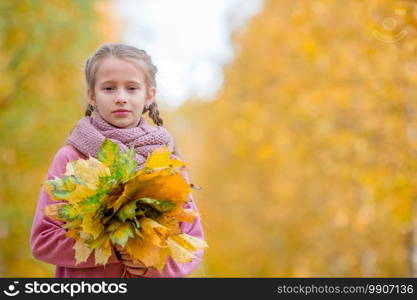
107	95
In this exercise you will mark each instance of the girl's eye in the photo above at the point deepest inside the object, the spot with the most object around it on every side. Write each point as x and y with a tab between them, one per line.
109	88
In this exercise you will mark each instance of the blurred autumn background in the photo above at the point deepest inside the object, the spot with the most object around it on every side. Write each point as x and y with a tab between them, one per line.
307	156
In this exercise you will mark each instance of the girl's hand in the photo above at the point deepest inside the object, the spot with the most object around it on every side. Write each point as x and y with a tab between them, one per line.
132	268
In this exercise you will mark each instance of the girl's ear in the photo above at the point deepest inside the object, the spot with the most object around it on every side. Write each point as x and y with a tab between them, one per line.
91	97
150	96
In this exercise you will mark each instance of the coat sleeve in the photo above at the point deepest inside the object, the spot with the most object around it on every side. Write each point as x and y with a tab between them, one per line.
172	268
48	239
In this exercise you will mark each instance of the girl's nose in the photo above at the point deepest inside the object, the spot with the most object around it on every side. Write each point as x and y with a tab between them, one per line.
121	100
121	97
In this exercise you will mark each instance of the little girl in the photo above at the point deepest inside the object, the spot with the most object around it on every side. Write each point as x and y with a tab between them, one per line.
121	87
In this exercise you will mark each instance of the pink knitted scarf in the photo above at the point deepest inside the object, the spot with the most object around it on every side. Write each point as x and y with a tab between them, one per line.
90	133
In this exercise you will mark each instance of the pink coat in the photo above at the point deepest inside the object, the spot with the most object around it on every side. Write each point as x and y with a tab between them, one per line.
50	244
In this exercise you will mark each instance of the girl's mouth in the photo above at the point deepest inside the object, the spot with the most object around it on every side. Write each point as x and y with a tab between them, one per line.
121	112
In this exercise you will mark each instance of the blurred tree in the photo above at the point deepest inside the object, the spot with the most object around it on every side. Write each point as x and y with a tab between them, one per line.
43	46
399	26
307	156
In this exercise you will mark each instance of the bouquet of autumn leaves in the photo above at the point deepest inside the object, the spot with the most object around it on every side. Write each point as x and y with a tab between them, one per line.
106	202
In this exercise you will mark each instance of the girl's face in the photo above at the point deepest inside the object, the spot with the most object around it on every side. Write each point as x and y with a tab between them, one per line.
120	92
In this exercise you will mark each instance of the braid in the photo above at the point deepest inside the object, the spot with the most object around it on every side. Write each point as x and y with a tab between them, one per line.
154	114
89	110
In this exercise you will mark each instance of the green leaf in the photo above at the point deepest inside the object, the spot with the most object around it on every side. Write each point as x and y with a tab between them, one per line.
69	183
124	166
148	211
160	205
61	194
106	183
127	211
121	235
93	203
56	188
130	163
63	187
56	183
108	152
68	212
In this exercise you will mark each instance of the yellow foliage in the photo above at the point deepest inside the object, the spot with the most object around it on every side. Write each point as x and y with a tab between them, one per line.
127	208
312	138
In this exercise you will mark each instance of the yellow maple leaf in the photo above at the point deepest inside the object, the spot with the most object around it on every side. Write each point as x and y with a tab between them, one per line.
73	224
189	242
178	252
73	233
52	211
88	171
121	234
147	253
80	193
160	158
179	214
186	215
153	232
92	225
82	251
102	253
159	185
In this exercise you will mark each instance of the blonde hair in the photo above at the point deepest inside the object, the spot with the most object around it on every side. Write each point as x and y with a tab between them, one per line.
123	51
